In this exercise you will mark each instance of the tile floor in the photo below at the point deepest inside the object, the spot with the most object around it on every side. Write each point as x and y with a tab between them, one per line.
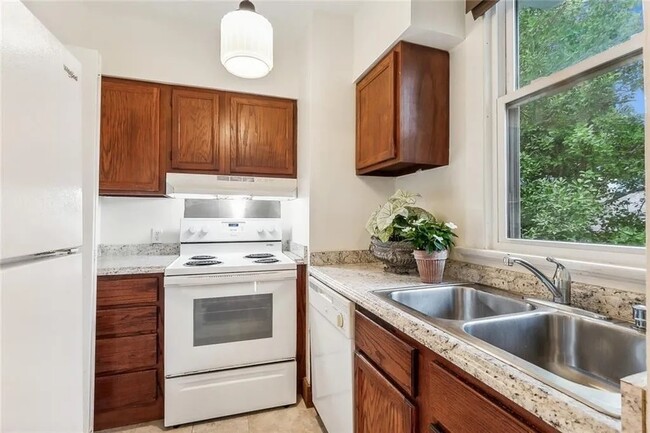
295	419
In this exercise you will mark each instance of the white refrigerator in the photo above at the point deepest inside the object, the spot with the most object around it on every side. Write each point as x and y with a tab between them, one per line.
43	342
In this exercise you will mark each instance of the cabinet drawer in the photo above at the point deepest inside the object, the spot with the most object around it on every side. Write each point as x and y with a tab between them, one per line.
129	320
125	353
460	408
395	357
121	390
126	291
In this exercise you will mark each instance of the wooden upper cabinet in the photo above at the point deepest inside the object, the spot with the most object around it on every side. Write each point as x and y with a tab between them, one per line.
403	112
133	137
262	136
380	407
376	115
149	129
196	130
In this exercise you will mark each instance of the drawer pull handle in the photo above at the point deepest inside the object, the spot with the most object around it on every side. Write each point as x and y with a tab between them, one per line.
436	428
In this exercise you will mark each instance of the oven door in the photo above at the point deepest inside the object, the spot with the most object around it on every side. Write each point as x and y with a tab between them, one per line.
215	322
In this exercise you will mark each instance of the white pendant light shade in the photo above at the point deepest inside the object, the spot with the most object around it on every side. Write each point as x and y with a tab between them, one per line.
246	42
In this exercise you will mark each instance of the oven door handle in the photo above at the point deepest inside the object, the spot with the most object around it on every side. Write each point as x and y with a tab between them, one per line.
212	279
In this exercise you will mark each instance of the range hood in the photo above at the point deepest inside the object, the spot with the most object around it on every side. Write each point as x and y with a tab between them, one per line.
210	186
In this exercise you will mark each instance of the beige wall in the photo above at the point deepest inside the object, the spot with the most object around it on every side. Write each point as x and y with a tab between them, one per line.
174	42
457	192
339	201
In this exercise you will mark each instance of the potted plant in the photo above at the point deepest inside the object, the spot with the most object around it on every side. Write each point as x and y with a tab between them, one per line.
388	243
432	240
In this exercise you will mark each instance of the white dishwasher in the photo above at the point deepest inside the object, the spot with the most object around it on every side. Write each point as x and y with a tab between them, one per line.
331	321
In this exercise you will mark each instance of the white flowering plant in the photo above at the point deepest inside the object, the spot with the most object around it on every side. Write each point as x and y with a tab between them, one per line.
429	234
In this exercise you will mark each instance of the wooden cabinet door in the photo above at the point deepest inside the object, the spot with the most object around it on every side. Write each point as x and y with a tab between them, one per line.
380	407
262	136
132	138
457	407
195	130
376	107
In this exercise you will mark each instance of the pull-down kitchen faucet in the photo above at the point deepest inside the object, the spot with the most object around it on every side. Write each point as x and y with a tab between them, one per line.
560	287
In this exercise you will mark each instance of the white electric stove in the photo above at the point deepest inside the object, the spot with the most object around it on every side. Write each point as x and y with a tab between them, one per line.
230	320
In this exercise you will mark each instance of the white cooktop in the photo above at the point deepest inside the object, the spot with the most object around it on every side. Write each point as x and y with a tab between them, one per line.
229	263
220	245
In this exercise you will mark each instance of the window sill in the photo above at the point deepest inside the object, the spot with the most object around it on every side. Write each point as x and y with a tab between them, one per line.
631	279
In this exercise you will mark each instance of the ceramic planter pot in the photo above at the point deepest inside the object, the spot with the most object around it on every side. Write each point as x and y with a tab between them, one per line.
397	257
431	266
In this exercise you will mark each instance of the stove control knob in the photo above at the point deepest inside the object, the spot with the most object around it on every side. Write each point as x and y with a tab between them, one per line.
260	230
204	230
270	229
191	230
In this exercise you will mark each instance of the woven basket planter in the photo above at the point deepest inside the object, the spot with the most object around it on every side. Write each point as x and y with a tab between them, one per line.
431	267
397	257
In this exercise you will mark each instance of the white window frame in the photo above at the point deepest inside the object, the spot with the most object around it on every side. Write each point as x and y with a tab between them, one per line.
603	262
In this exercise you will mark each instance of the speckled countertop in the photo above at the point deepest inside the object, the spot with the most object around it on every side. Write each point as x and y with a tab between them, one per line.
568	415
133	264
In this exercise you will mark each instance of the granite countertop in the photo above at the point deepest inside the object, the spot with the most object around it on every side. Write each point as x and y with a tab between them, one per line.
133	264
568	415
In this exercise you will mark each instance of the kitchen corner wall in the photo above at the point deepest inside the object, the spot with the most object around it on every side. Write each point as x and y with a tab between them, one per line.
458	192
339	201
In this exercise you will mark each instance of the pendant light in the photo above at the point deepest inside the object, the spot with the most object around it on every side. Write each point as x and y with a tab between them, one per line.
246	42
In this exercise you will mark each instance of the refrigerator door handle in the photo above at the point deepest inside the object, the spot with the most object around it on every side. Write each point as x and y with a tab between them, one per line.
43	255
61	252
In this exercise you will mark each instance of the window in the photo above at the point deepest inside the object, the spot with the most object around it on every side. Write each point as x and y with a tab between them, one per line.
572	121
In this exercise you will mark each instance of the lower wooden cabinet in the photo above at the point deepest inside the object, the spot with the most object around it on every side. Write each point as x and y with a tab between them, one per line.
129	374
455	406
380	406
447	399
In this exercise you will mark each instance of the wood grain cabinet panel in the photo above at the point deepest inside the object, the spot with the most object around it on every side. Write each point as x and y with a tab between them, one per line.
125	353
262	136
133	137
120	390
127	291
379	406
123	321
195	130
376	115
403	112
459	408
393	356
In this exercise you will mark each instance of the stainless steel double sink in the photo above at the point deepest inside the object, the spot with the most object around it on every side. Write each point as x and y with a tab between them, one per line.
577	352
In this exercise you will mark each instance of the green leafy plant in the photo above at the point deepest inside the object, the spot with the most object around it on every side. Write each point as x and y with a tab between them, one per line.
430	235
387	221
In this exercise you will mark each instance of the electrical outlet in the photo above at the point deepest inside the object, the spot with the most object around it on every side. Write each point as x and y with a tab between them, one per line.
156	235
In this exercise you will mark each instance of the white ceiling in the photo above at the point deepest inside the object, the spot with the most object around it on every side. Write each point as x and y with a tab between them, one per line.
279	12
